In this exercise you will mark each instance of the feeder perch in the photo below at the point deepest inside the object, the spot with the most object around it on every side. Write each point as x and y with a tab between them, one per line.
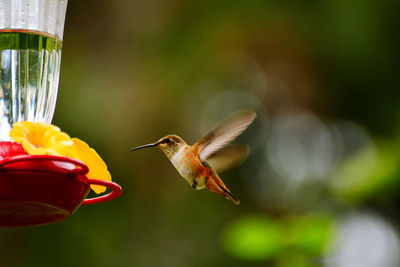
43	189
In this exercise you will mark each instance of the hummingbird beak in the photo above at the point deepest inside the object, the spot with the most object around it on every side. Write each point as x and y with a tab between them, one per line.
144	146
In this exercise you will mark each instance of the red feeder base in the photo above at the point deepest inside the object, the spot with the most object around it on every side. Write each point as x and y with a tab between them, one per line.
42	189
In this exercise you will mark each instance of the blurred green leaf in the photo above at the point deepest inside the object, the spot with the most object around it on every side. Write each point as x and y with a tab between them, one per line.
369	172
261	238
311	234
252	238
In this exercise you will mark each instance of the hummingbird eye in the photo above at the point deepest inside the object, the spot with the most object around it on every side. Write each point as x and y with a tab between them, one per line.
167	140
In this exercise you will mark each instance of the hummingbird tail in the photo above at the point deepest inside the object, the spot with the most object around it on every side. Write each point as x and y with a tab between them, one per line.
214	184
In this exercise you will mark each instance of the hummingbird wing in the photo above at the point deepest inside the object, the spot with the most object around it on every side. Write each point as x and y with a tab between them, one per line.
224	133
228	157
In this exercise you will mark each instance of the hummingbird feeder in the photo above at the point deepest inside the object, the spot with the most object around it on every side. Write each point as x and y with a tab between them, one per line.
36	189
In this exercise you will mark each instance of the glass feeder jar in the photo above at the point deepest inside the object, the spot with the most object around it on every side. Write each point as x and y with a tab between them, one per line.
31	33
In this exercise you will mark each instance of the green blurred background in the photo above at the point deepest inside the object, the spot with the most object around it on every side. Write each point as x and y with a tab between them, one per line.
320	186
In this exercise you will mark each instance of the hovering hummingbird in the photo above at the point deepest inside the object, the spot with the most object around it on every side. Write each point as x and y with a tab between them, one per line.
192	162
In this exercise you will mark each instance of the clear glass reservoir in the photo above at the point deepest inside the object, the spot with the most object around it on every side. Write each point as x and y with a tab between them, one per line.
30	55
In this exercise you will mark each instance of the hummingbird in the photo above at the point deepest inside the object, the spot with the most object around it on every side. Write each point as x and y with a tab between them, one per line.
198	163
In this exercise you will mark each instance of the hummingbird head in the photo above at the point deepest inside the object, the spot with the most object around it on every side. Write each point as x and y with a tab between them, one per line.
169	144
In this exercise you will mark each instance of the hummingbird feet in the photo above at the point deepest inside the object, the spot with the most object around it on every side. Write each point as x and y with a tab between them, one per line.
194	184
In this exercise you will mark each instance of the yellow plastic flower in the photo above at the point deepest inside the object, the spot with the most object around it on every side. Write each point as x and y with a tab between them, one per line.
97	167
46	139
40	139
